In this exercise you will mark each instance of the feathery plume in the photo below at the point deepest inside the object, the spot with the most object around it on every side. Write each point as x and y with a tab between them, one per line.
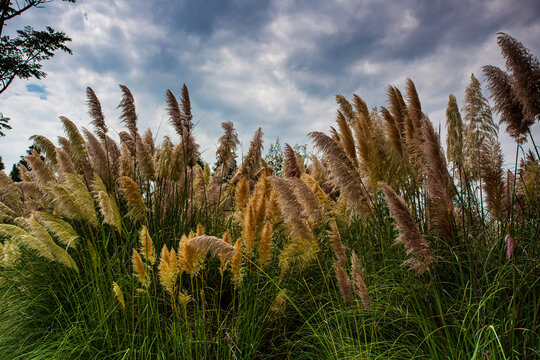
438	183
6	214
118	292
168	269
265	245
10	194
147	246
360	287
21	237
242	193
148	141
346	137
345	108
40	172
38	232
291	209
63	201
82	197
126	167
145	162
492	176
525	70
248	230
291	165
227	145
64	162
337	246
454	131
47	148
77	146
175	116
132	194
212	244
480	126
107	210
61	229
186	108
252	160
414	108
310	203
127	140
98	156
236	264
129	115
410	234
139	269
94	110
510	246
344	283
509	108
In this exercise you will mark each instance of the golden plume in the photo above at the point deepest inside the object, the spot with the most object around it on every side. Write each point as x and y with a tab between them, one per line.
82	197
132	194
61	229
248	230
242	193
77	145
39	233
265	245
119	294
139	270
168	269
236	264
21	237
147	246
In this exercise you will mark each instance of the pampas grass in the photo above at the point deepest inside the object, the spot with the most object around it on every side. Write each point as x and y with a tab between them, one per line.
131	192
410	236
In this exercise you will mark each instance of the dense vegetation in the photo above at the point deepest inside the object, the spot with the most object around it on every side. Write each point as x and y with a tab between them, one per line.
135	250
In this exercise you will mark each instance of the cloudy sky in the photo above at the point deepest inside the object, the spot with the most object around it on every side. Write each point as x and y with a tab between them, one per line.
276	64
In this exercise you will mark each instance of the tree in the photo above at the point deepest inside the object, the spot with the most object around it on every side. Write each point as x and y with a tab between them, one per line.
21	56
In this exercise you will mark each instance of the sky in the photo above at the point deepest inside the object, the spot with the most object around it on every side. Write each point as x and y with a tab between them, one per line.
269	63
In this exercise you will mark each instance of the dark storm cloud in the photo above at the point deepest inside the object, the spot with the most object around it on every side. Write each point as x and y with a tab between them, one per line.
276	64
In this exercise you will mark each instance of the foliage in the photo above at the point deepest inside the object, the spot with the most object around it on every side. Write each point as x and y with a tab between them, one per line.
22	55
